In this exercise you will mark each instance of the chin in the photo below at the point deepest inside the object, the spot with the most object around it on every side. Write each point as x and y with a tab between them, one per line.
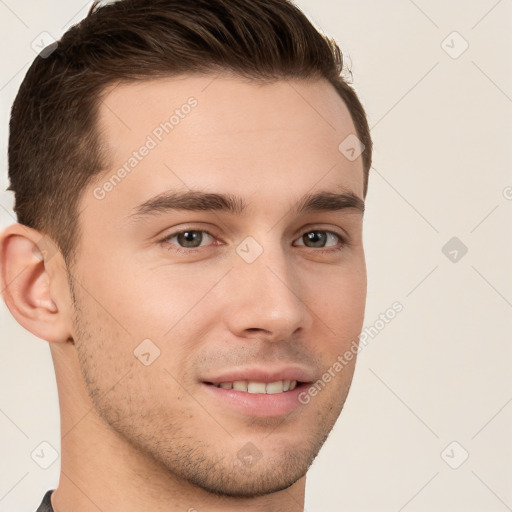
249	483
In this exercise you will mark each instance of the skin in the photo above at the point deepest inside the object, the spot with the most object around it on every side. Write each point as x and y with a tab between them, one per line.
151	437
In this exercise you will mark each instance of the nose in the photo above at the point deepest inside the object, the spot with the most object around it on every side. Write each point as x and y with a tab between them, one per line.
267	298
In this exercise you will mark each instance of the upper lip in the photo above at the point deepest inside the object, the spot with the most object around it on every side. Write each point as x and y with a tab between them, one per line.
259	374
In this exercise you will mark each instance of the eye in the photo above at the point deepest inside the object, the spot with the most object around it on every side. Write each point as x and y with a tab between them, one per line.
320	238
190	238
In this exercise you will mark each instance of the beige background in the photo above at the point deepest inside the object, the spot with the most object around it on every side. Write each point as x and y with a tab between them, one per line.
439	372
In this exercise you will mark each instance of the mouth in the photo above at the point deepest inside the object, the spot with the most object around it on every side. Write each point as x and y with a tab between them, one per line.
259	391
259	388
256	399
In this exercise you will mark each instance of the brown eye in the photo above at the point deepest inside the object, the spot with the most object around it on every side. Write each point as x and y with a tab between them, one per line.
190	238
319	239
315	239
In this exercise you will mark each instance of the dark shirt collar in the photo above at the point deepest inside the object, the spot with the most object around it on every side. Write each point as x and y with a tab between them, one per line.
46	504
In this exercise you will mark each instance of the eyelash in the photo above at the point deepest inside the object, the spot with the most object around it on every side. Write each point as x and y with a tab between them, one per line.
343	241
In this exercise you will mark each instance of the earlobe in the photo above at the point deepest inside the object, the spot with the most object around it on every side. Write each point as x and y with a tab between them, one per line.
25	257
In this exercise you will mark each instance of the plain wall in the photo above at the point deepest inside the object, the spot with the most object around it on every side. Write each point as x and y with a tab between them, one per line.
431	386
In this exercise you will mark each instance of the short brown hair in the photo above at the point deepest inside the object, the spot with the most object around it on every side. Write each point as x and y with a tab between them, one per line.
54	145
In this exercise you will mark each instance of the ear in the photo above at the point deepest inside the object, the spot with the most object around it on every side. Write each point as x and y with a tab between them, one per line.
33	281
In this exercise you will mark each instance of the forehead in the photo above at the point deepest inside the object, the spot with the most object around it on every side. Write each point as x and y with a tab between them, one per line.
222	132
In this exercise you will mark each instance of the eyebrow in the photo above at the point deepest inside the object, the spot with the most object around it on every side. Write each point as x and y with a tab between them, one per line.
195	200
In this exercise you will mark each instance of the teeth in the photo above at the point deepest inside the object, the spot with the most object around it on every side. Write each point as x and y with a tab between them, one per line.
256	387
275	387
253	387
240	385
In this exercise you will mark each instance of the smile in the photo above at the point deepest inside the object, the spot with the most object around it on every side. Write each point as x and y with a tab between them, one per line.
254	387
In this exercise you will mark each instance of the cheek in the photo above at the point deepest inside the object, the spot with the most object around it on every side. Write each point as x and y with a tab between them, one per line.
339	298
149	301
171	298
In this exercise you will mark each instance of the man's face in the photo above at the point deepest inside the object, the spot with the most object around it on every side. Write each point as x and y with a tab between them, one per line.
262	293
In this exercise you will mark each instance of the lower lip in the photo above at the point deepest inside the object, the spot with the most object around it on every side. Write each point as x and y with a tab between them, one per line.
258	404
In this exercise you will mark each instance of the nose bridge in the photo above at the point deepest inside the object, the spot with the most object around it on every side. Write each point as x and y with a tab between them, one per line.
268	292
